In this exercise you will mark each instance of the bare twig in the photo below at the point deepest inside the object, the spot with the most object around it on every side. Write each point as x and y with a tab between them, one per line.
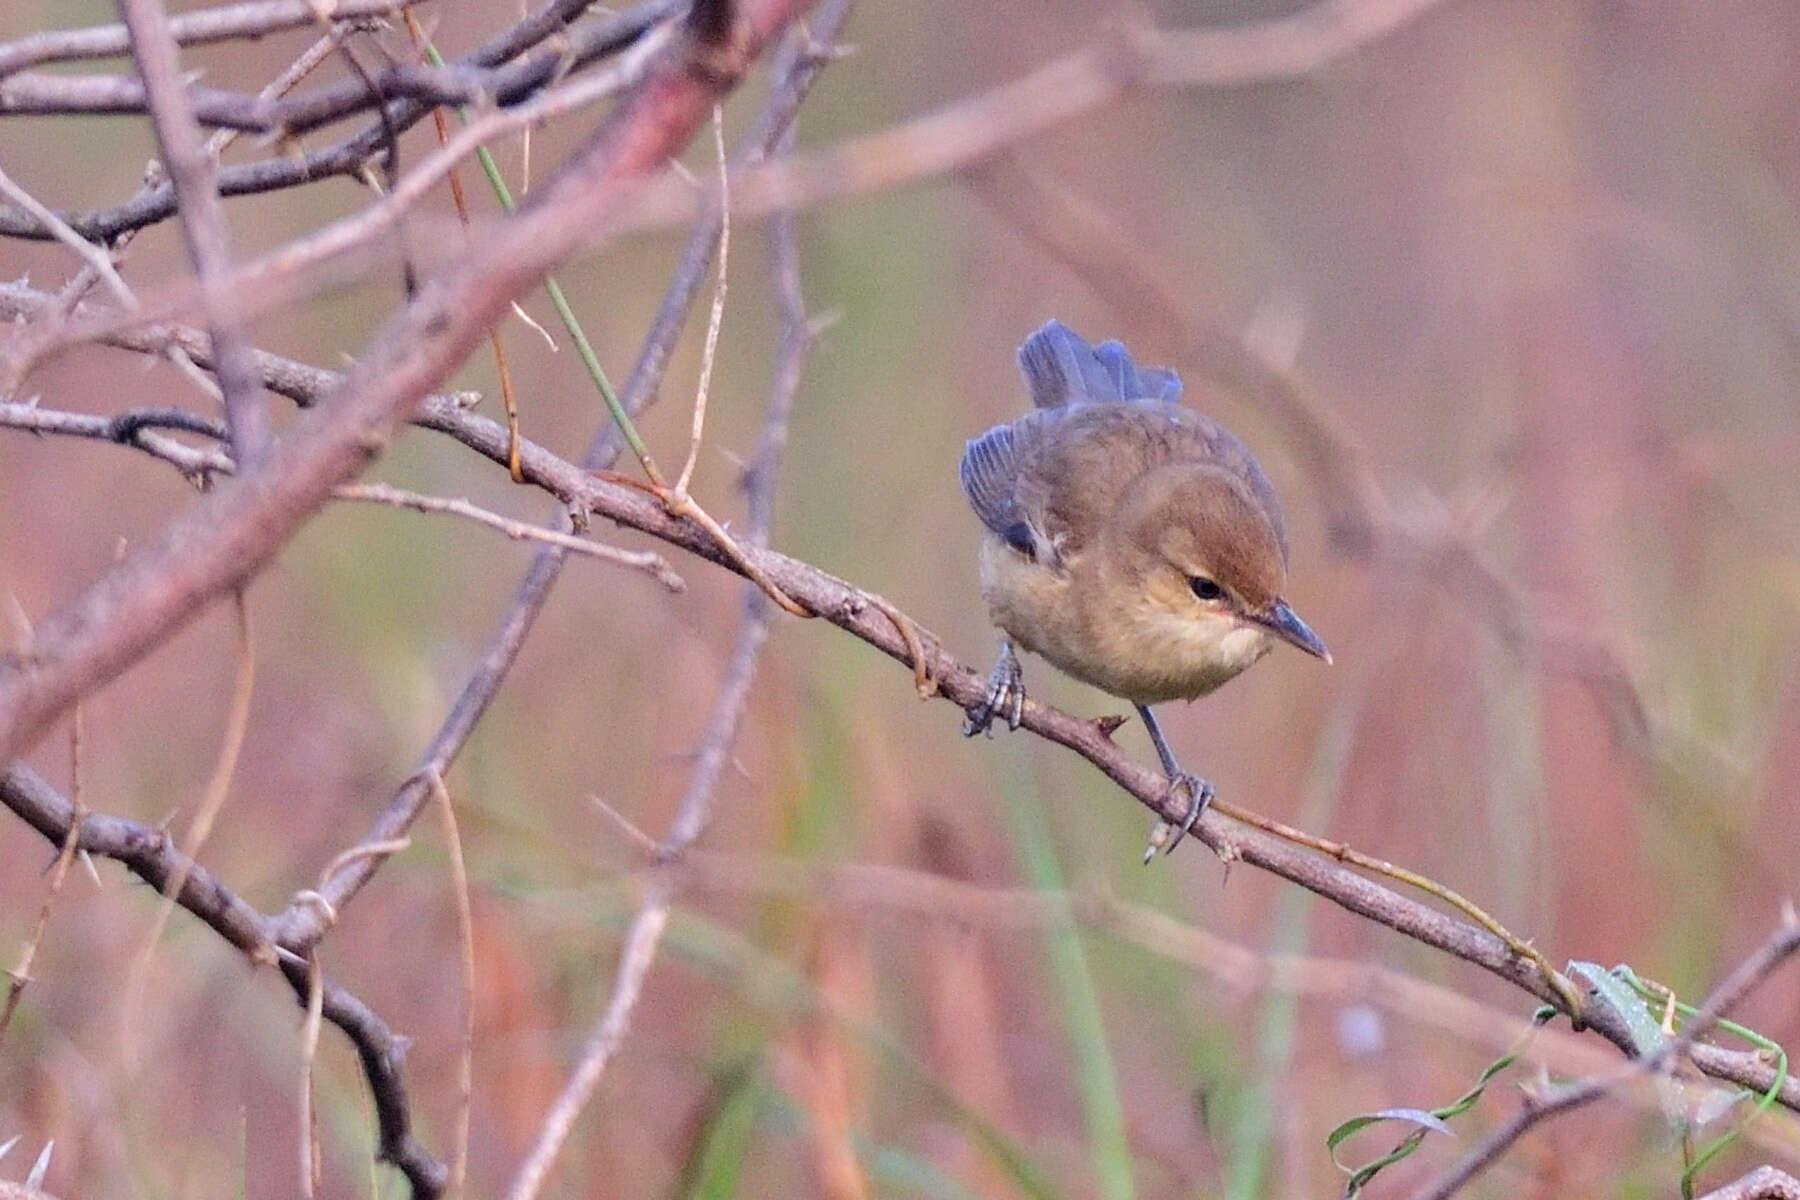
465	938
190	169
136	428
693	812
96	257
229	536
218	787
651	563
149	854
595	39
310	1158
717	313
273	279
225	22
20	976
291	75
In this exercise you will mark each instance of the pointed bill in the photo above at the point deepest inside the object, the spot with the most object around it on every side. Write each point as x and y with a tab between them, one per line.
1286	624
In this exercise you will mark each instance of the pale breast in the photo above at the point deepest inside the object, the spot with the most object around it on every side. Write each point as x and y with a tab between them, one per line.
1131	651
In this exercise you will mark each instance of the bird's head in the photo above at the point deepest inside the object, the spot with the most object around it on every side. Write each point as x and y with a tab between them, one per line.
1204	563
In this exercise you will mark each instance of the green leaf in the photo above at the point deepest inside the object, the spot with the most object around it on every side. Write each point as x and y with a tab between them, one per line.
712	1169
1417	1116
1423	1122
1613	989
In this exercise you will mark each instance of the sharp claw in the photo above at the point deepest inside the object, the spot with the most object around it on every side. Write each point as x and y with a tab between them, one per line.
1165	837
1005	696
1202	792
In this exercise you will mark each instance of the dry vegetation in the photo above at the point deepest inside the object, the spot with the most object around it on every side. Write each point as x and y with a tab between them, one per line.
511	836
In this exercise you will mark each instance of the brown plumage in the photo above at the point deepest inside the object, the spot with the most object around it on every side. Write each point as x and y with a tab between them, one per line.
1132	542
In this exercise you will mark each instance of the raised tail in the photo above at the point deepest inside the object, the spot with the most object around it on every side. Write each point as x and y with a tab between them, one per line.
1061	369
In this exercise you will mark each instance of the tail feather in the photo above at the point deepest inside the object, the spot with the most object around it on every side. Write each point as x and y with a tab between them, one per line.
1062	369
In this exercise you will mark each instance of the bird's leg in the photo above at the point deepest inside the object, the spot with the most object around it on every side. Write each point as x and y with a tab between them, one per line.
1005	696
1166	837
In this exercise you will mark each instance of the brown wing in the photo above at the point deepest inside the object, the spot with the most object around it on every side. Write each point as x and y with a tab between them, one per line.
1072	464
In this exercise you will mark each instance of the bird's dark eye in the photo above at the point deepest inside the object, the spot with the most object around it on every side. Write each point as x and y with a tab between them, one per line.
1205	588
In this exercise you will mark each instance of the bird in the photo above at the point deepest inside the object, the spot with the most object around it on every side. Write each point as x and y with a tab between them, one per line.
1130	541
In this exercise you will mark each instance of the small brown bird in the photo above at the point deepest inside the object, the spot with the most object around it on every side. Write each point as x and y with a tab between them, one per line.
1132	542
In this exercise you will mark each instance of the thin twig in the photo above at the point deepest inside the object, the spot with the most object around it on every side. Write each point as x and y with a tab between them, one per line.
694	811
634	964
651	563
310	1158
465	940
216	145
96	257
231	745
264	284
190	169
483	66
717	313
20	976
227	22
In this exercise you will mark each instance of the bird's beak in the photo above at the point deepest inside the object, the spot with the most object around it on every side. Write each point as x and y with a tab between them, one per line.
1287	625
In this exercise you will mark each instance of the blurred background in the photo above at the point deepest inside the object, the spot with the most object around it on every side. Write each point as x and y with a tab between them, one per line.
1505	301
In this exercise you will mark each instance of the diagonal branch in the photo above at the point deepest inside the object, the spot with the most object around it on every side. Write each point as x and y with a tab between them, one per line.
191	170
229	536
874	620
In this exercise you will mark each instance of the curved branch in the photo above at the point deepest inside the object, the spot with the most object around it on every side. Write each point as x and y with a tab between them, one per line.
150	855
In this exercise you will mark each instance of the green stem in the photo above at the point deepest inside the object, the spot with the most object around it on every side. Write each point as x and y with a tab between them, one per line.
564	312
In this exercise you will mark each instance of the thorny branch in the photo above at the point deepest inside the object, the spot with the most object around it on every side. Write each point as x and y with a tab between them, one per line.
232	533
226	22
694	810
151	855
867	617
534	41
166	583
191	170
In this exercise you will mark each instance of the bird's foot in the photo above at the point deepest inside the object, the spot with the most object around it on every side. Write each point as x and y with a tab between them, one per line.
1005	696
1165	837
